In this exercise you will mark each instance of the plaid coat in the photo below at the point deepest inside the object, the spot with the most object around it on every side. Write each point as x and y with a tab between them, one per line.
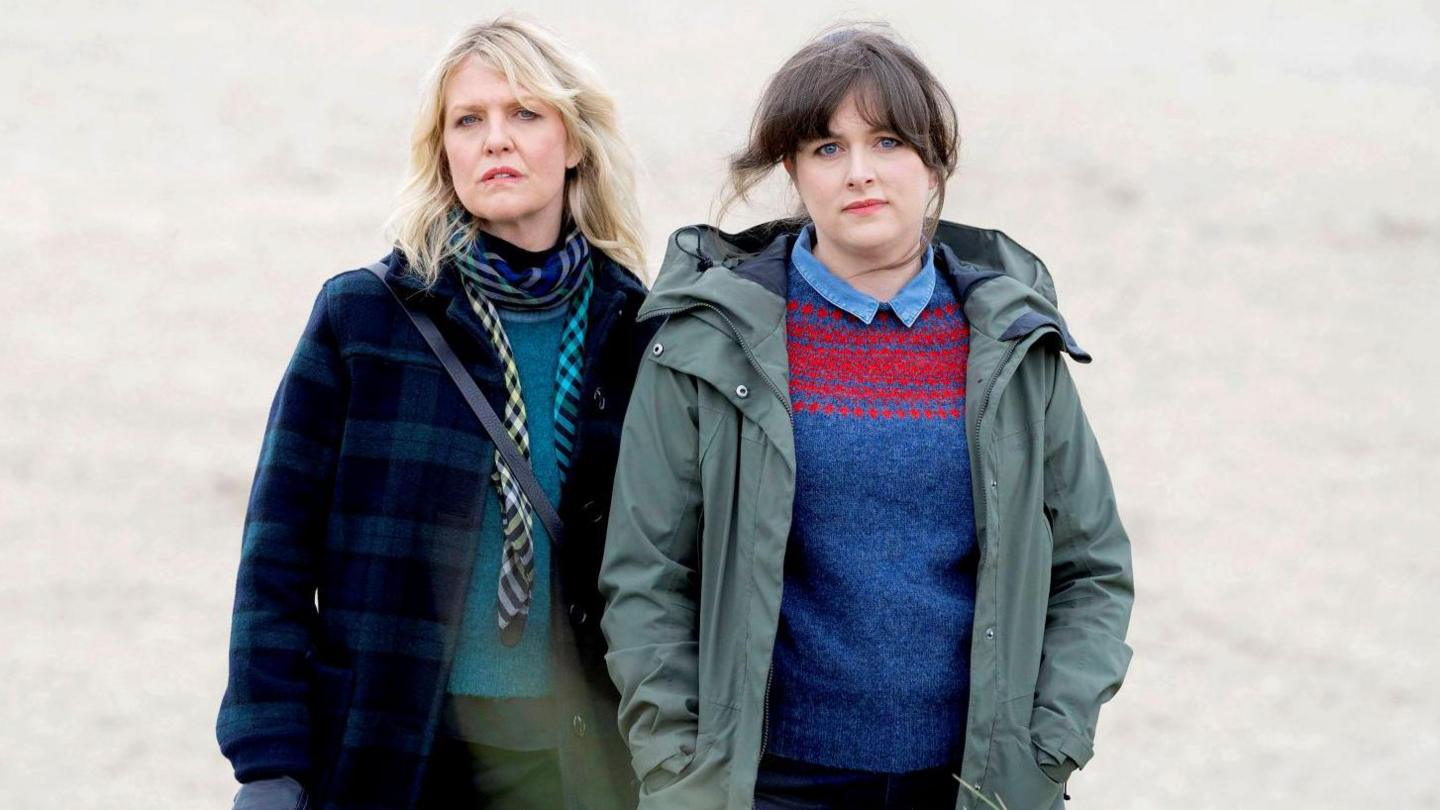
360	539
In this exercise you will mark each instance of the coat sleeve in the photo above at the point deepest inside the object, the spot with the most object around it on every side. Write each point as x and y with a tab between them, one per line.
1084	657
264	724
648	575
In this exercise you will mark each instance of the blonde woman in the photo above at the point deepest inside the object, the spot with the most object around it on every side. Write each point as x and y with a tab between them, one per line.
397	638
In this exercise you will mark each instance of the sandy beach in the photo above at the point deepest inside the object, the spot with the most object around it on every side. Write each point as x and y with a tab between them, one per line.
1240	204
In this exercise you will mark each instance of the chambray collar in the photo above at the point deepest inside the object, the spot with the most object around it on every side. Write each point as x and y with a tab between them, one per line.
907	304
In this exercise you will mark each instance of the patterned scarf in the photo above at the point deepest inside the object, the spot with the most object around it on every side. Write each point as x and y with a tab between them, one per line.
487	278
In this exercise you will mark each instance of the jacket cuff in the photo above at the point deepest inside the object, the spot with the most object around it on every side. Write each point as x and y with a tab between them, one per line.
256	758
1057	769
1050	733
647	759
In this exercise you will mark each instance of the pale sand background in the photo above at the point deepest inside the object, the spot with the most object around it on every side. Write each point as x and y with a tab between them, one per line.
1240	203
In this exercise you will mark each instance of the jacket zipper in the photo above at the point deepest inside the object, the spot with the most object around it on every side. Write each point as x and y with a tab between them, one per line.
765	713
745	347
764	728
990	387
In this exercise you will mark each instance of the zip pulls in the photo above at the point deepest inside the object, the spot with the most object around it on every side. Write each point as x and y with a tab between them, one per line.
745	347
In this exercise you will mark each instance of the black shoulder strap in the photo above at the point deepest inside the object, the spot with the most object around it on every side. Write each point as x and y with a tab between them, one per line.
519	467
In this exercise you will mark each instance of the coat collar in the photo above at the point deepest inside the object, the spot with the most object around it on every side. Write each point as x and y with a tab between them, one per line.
1005	290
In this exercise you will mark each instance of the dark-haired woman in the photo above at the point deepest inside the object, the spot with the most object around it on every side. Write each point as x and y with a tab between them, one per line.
863	545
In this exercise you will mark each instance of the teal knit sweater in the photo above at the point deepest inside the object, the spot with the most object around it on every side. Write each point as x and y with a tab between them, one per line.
484	667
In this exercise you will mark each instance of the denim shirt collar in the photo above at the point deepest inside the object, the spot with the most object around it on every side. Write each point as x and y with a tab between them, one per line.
907	304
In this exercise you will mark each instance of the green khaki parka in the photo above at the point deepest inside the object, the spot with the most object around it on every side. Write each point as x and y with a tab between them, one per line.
700	515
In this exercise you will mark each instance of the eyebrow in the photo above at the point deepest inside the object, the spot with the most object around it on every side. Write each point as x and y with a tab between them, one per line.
482	104
827	135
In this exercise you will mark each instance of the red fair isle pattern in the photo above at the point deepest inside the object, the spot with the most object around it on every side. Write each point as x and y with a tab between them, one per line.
841	367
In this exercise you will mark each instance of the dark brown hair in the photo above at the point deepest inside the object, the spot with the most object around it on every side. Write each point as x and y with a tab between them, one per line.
893	91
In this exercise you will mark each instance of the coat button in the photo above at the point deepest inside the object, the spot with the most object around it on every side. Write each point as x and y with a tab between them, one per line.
592	510
657	350
989	632
741	391
599	398
578	725
578	615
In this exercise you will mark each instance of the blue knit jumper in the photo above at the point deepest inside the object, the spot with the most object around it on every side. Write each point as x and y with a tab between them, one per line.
871	667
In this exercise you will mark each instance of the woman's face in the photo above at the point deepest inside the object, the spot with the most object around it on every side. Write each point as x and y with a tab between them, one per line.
507	156
865	189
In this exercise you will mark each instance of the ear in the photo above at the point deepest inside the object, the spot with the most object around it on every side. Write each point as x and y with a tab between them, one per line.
789	164
573	154
934	179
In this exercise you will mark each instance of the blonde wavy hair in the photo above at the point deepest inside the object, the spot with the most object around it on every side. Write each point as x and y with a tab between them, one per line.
599	191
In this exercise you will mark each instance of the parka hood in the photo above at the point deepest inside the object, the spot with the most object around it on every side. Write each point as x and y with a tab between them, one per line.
1005	289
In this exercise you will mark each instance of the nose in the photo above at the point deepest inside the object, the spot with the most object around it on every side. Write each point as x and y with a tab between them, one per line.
861	174
497	137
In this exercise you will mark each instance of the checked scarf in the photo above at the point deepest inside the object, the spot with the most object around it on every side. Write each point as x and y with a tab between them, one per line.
488	280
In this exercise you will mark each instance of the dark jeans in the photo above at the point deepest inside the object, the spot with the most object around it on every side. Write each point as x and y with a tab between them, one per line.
477	777
786	784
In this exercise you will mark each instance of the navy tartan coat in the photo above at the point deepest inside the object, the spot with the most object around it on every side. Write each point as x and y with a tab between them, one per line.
360	538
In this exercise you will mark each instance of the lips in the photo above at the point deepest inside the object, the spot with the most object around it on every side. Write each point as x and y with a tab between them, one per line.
501	173
865	206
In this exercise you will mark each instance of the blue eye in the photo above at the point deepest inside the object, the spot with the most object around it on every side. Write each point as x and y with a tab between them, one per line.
526	115
889	143
828	150
467	120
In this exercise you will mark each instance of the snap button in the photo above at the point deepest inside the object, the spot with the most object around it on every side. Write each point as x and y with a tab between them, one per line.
578	724
657	350
741	391
599	398
989	632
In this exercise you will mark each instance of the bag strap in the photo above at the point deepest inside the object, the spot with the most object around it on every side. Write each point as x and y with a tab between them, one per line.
519	467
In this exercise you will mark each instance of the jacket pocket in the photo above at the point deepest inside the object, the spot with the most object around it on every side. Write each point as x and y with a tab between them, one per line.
1016	779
